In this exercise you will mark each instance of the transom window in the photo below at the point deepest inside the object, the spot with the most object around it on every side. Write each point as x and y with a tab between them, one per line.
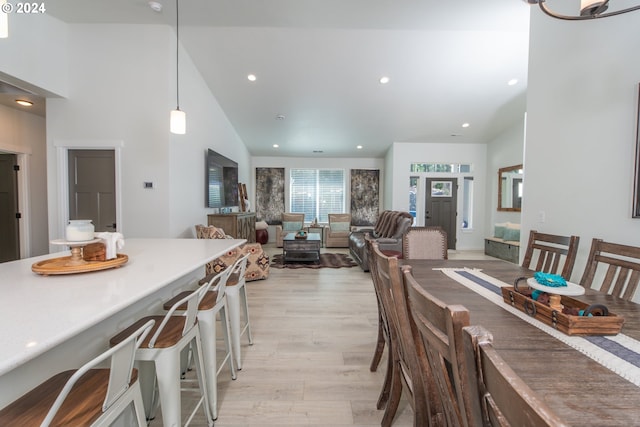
317	193
440	167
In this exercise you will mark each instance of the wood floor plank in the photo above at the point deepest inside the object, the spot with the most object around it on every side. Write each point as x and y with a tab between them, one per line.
314	333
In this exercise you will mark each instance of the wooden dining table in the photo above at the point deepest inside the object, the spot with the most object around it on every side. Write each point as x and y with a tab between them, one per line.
580	390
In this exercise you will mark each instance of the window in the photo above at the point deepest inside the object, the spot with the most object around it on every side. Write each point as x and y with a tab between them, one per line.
440	167
317	192
467	202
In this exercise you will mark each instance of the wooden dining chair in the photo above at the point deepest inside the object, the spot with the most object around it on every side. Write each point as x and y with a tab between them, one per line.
425	243
437	334
623	271
404	370
505	400
384	337
547	252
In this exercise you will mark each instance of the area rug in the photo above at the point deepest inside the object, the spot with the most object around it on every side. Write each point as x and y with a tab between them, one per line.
327	260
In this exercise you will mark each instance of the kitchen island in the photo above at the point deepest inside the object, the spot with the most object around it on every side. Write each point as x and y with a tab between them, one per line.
58	322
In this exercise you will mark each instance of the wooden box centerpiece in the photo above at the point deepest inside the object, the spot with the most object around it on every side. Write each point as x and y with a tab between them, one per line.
566	314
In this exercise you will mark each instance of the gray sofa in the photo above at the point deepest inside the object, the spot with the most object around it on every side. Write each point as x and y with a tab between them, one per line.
388	232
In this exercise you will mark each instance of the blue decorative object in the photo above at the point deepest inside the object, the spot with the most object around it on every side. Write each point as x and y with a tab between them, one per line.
551	280
535	295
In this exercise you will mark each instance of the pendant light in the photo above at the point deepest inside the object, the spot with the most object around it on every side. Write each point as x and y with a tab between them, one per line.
178	120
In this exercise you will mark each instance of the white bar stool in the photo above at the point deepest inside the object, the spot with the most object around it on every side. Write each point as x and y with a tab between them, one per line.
237	297
212	302
89	396
169	337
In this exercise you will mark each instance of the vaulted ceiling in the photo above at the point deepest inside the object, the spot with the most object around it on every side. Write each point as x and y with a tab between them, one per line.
318	63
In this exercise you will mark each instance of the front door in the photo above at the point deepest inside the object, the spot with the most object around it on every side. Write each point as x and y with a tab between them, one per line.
9	228
92	187
441	206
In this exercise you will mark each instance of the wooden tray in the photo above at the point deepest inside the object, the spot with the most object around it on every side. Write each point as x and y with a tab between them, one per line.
67	265
611	324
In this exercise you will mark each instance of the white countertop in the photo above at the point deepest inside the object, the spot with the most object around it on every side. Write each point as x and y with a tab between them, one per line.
40	312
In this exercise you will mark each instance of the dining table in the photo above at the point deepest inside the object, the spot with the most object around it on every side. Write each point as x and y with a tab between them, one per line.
51	323
585	380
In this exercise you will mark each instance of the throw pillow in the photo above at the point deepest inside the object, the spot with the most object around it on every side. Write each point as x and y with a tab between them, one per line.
512	234
291	225
499	230
340	226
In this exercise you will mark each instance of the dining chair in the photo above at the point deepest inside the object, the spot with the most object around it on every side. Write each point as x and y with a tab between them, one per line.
89	396
505	400
425	243
622	274
437	333
212	303
547	251
384	336
403	369
171	335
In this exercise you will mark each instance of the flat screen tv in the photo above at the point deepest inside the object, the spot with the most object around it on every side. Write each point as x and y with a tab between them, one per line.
221	186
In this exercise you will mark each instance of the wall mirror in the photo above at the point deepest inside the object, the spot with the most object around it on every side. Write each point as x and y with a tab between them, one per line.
510	188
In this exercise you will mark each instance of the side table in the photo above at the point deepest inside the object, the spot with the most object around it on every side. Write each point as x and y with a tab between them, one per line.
318	229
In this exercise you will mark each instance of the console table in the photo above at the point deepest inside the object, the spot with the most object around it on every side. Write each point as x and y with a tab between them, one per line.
239	225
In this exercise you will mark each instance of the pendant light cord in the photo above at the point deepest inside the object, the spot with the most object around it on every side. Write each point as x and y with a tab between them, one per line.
177	70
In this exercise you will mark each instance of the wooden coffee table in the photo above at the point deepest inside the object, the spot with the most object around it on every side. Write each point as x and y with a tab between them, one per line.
301	250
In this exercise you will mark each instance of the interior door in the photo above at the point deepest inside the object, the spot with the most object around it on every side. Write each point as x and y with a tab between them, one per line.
441	206
92	187
9	227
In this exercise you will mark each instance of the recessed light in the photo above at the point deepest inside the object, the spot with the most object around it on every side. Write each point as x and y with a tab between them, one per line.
384	80
359	147
275	146
512	82
24	102
251	77
280	117
154	5
465	125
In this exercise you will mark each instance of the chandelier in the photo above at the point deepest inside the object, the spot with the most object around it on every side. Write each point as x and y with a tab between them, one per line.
589	9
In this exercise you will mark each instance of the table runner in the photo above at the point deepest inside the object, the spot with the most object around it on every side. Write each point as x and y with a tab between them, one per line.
619	353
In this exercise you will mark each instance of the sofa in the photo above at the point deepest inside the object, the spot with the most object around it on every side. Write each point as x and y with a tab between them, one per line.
257	263
337	233
291	222
388	232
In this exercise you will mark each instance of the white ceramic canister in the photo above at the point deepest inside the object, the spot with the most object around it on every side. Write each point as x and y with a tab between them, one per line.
79	230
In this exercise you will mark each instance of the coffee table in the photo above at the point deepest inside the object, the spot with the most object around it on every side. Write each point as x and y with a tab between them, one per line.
301	250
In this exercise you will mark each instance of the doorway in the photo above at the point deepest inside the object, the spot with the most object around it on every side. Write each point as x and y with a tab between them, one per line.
441	201
9	217
92	187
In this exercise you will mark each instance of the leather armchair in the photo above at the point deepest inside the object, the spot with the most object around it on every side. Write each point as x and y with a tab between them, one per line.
388	232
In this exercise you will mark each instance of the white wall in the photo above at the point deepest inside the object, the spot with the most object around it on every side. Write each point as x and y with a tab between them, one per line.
581	129
34	56
505	150
120	92
24	134
403	154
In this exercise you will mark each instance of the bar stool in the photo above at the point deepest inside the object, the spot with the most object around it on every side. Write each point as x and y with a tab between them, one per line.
212	302
168	338
88	396
237	298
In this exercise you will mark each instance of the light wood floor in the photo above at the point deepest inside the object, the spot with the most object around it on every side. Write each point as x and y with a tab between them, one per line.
314	333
